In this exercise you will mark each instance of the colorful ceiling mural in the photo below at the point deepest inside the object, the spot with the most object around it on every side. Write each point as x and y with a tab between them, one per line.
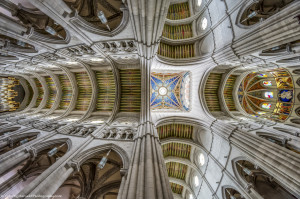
267	95
170	91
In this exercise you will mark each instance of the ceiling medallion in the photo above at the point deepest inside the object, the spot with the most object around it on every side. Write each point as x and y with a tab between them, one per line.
163	90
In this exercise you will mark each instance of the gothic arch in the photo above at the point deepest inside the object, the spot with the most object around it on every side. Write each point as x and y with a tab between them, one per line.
258	180
229	187
49	143
181	120
78	20
298	81
297	111
242	14
235	171
297	71
85	155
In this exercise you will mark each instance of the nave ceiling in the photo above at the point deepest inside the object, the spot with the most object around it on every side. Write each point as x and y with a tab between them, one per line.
90	69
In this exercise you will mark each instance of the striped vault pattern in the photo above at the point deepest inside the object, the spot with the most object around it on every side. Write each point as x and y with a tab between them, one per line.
66	91
130	90
175	130
211	91
84	91
106	90
40	90
176	170
52	92
176	188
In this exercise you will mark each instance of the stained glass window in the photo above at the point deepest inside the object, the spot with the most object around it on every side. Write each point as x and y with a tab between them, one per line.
269	94
261	113
255	99
266	105
262	75
267	83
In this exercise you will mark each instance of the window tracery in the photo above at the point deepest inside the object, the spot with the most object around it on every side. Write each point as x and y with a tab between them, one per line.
268	95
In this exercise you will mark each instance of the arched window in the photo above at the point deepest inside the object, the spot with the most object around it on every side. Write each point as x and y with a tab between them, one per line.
269	94
266	105
204	23
198	3
201	159
267	83
196	181
262	182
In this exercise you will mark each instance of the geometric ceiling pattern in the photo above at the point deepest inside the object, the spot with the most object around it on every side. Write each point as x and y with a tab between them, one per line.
170	91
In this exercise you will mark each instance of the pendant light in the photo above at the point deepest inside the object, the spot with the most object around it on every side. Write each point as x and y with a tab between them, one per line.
103	160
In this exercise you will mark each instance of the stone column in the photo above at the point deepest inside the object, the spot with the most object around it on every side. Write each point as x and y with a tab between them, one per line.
283	165
13	161
3	144
123	173
147	175
10	183
50	185
52	178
